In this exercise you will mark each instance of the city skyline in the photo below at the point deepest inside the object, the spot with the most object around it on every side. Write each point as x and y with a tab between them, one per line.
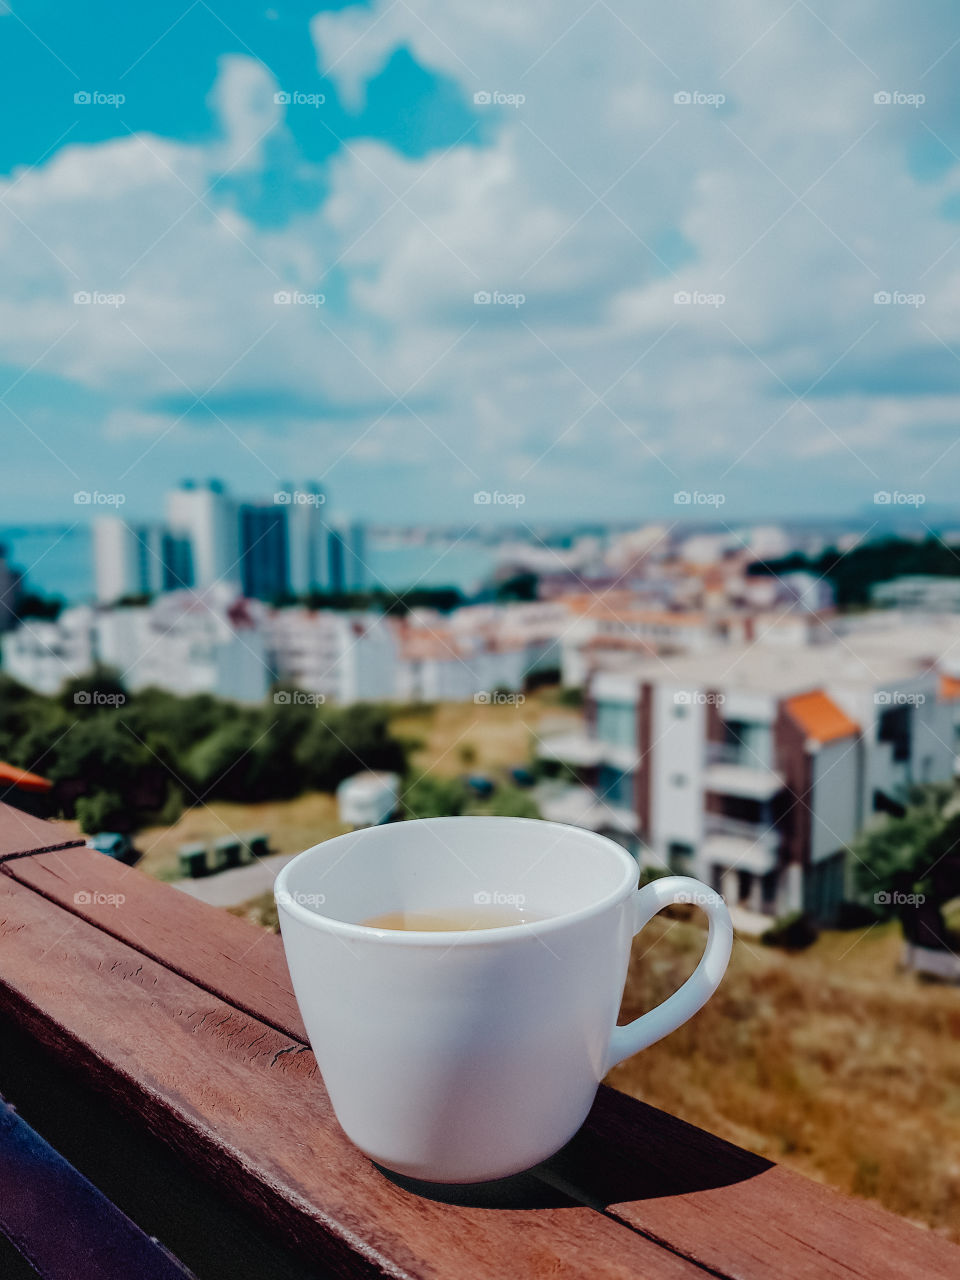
418	256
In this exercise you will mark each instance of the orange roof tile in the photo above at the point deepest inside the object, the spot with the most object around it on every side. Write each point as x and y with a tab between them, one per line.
819	717
12	776
949	688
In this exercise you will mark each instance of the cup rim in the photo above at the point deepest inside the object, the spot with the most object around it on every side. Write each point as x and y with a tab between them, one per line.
451	937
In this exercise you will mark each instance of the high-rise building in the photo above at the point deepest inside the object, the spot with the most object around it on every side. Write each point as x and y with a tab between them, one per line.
347	556
308	539
267	550
264	551
129	560
207	517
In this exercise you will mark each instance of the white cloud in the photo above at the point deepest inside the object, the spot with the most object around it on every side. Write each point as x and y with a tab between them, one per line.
599	199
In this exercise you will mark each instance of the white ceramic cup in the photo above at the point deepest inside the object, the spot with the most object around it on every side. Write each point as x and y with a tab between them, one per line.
463	1056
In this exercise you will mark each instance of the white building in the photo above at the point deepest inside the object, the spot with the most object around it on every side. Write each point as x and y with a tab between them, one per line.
42	655
128	559
347	657
183	642
755	766
925	592
204	518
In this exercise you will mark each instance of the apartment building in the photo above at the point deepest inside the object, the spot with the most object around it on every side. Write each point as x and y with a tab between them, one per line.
347	657
755	766
184	642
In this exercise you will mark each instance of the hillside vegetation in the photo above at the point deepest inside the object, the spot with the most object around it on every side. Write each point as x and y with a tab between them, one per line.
830	1061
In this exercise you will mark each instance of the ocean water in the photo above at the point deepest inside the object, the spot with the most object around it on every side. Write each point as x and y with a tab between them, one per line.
58	561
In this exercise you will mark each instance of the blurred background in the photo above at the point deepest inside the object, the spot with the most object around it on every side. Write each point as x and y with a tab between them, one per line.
548	411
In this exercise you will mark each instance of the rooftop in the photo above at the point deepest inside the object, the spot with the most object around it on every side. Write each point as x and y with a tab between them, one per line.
868	657
820	718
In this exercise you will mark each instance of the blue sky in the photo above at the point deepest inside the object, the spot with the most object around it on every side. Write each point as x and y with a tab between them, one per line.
588	166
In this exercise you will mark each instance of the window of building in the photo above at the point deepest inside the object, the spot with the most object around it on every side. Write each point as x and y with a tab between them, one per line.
894	727
614	787
617	723
680	857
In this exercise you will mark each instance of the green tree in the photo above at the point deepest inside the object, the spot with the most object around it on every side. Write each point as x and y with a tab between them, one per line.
433	797
909	866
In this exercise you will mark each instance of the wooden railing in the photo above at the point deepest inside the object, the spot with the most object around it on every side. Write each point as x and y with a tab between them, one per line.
155	1044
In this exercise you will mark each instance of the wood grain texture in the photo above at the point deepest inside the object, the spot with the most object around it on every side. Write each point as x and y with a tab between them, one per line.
230	957
21	834
185	1015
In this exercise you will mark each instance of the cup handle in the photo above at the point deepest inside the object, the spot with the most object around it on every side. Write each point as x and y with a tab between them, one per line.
701	984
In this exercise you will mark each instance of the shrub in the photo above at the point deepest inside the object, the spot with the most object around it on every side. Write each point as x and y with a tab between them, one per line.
793	932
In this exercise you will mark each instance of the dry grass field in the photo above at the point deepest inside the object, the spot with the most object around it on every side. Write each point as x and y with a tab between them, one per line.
455	736
830	1061
292	825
